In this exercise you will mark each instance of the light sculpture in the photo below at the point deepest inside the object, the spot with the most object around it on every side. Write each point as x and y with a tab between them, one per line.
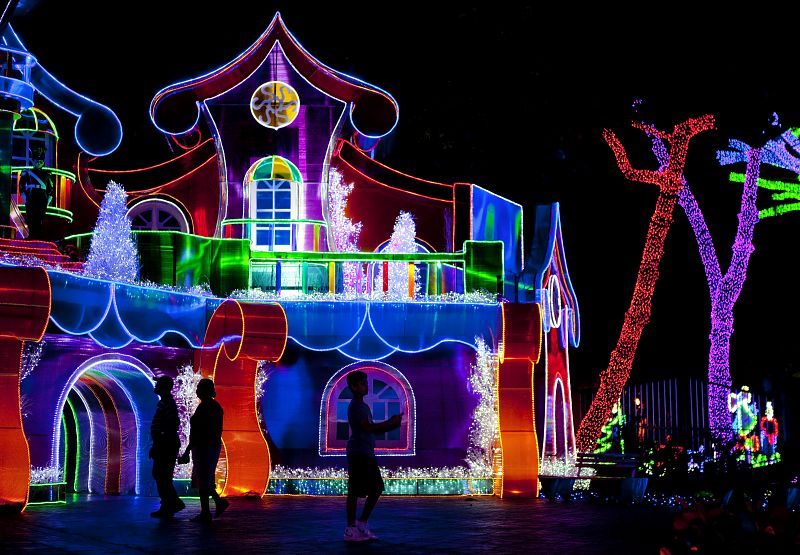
668	179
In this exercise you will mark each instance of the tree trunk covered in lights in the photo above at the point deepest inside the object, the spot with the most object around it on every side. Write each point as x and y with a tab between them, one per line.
669	181
724	294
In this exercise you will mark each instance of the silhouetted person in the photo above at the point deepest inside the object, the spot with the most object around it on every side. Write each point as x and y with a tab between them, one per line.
205	445
166	444
37	188
363	475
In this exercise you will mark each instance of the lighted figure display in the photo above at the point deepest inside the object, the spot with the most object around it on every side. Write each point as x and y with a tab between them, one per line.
669	181
745	419
612	440
275	240
769	431
744	411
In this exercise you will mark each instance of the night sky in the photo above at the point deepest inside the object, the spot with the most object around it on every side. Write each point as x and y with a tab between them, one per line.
514	99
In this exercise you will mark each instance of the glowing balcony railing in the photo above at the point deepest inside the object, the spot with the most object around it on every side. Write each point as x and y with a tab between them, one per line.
59	206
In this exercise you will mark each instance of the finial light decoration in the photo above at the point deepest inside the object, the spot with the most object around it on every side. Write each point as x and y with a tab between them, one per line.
275	104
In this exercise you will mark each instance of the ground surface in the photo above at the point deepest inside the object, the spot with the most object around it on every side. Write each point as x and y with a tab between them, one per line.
299	524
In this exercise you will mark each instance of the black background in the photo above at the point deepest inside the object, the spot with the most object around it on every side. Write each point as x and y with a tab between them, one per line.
514	98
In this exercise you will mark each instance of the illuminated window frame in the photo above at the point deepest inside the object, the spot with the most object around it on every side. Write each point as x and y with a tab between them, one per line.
156	206
405	446
276	187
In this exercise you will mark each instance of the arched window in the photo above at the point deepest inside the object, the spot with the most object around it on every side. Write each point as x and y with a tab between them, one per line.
272	194
158	215
389	394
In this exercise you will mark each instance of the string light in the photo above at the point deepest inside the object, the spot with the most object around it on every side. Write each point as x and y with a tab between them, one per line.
485	420
185	393
668	180
345	232
31	356
112	253
46	474
724	290
402	241
607	439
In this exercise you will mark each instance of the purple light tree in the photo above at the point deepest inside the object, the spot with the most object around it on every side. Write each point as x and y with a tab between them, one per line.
724	289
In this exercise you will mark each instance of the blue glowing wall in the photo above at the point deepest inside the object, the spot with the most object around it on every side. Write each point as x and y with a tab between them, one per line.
495	218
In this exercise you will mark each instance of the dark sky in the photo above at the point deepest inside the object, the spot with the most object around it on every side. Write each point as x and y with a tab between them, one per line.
515	99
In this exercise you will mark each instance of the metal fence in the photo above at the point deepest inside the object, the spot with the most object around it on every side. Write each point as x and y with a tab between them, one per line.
676	407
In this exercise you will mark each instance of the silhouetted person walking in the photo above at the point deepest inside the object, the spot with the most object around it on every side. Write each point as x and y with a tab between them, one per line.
363	475
205	445
37	189
166	444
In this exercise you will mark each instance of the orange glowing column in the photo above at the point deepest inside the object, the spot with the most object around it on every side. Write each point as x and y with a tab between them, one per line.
24	312
522	332
237	337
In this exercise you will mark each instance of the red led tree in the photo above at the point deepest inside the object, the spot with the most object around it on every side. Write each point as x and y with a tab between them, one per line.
668	180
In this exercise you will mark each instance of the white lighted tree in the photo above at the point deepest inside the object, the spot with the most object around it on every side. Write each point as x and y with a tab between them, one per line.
402	241
344	232
113	254
483	432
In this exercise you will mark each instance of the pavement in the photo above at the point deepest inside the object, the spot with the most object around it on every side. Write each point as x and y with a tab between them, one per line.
315	524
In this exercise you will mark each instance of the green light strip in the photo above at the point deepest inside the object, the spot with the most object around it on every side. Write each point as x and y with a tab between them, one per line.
452	258
778	210
55	171
769	184
52	211
75	485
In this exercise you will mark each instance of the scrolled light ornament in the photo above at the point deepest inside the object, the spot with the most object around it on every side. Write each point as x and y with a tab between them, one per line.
275	104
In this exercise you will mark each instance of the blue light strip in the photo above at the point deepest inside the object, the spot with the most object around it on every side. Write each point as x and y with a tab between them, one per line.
115	315
90	114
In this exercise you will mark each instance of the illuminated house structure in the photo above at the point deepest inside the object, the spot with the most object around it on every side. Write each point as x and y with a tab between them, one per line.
246	210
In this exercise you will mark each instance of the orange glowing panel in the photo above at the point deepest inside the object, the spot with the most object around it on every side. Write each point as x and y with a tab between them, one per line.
237	337
522	343
24	312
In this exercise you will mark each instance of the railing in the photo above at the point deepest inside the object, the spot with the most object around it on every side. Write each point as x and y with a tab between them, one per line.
275	224
62	191
356	272
227	265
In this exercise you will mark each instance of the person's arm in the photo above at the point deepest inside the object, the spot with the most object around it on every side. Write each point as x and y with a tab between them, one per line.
385	426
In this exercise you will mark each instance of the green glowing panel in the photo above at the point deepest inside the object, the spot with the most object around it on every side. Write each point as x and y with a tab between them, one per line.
483	266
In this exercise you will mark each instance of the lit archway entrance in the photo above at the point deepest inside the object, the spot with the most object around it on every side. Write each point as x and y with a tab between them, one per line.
101	439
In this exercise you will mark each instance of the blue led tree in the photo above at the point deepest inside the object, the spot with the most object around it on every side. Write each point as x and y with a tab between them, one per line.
113	254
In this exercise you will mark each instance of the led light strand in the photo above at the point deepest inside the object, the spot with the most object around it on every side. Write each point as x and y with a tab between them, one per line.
185	392
668	180
402	241
31	356
484	429
345	232
112	253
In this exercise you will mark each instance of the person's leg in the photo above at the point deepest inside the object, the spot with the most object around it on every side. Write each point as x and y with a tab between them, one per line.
159	475
369	504
220	503
376	487
351	506
204	501
175	503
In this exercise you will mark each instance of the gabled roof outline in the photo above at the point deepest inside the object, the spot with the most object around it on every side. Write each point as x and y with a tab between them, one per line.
547	251
373	111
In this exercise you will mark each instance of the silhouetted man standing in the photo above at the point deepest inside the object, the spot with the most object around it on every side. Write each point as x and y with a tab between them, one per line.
164	452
